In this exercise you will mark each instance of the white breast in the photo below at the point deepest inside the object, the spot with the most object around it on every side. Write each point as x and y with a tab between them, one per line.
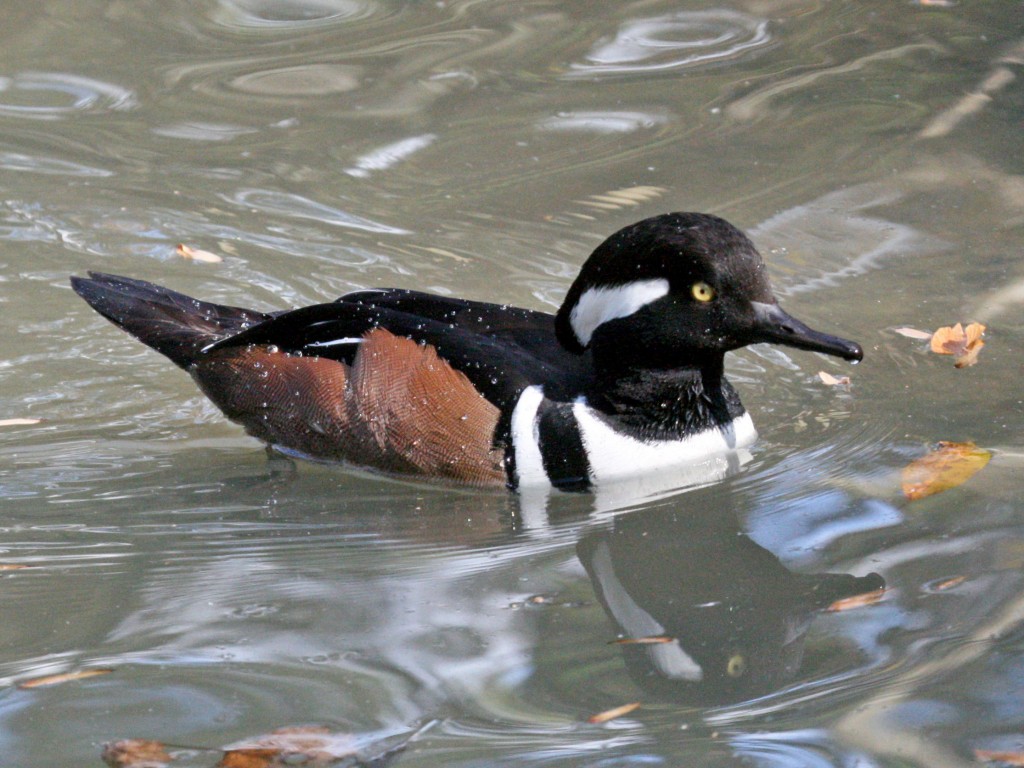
615	455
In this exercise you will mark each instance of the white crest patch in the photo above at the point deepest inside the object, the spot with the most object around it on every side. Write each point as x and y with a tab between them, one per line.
599	305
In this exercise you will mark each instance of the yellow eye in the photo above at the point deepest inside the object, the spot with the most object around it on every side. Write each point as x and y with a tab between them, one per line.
736	665
702	291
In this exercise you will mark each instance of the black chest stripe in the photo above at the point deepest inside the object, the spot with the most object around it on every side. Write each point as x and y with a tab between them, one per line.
561	447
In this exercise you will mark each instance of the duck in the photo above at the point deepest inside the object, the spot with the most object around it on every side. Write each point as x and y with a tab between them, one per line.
626	378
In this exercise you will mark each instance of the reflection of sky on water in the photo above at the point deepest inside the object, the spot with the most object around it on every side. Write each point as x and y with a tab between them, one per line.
674	41
610	121
801	529
841	235
290	16
66	93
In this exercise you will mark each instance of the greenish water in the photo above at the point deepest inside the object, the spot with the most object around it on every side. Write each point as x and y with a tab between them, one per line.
872	150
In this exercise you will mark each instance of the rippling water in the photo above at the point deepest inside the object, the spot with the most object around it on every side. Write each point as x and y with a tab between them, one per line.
872	150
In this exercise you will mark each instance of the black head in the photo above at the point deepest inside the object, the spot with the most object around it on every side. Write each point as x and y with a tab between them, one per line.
677	288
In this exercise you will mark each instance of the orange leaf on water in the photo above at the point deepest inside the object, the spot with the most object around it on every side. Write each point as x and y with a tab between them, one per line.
949	465
611	714
857	601
135	753
63	677
1010	758
963	343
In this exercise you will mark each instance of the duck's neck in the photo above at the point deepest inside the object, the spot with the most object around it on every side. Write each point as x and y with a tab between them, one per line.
667	404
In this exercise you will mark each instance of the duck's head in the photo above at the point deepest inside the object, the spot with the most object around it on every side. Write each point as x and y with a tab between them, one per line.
676	290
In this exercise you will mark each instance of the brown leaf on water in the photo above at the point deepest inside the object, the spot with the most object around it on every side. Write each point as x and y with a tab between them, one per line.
833	381
135	753
1009	758
18	422
650	640
64	677
913	333
949	465
13	566
250	758
195	254
306	744
857	601
611	714
963	343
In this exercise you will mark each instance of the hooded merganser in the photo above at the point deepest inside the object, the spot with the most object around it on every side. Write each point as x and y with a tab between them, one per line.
626	378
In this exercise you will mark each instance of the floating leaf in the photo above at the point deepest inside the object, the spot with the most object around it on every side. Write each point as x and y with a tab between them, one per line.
953	581
18	422
949	465
611	714
913	333
1010	758
135	753
64	677
13	566
857	601
283	748
250	758
833	381
651	640
195	254
963	343
288	745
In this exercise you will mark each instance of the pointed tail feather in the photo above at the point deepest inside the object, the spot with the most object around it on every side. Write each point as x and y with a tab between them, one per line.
172	323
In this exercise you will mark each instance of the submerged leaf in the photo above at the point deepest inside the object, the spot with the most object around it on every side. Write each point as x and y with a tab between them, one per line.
64	677
963	343
611	714
949	465
135	753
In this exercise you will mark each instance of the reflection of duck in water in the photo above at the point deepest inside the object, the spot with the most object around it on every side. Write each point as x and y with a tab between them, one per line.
735	616
626	379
